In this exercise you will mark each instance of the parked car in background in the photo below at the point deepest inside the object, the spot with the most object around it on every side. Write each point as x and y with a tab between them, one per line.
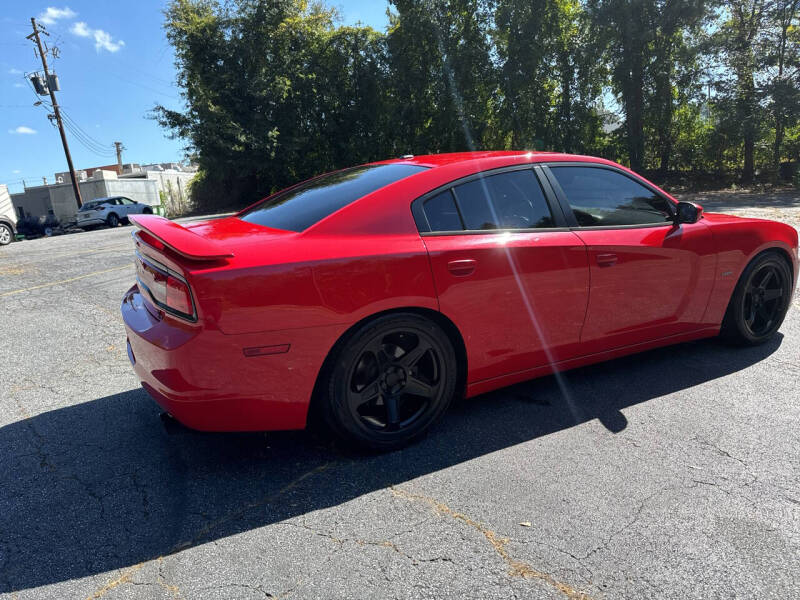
109	211
8	219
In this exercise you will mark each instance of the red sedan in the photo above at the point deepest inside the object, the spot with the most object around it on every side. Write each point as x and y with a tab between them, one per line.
375	294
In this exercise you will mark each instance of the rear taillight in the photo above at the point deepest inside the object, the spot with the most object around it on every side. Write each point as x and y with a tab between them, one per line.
100	208
168	291
178	297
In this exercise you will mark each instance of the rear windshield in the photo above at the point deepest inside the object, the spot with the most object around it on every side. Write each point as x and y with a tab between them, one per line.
91	205
299	208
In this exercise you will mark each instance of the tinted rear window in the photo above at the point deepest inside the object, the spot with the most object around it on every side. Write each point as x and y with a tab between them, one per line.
442	213
299	208
512	200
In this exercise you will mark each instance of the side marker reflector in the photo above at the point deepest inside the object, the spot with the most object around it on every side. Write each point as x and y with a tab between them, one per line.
266	350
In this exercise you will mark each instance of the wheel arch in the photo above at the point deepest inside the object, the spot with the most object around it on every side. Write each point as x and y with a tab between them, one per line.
779	249
727	325
449	328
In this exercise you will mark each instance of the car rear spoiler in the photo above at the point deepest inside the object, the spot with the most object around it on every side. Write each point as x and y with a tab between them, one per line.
179	239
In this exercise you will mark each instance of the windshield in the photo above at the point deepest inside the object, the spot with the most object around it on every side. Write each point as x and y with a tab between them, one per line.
299	208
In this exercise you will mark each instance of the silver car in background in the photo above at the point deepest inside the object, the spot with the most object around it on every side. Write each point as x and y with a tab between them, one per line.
109	211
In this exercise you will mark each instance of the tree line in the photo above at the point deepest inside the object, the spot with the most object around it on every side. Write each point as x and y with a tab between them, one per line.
277	91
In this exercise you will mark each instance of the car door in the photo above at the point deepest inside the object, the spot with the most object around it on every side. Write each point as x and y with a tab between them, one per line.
507	271
650	278
115	206
127	206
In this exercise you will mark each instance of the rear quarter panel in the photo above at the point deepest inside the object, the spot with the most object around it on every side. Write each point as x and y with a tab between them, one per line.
315	282
738	240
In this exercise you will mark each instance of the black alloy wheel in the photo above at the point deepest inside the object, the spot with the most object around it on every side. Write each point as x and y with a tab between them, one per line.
760	301
112	220
392	381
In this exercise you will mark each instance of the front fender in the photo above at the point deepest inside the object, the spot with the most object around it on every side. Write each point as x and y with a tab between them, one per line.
738	241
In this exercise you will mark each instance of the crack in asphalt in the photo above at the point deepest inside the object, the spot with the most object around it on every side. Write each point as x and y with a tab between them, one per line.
516	568
604	545
124	578
377	543
249	506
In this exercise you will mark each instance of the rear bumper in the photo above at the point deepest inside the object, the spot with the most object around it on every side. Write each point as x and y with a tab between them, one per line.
205	380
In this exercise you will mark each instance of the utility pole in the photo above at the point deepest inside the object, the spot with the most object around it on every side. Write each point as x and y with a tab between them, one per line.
118	146
75	187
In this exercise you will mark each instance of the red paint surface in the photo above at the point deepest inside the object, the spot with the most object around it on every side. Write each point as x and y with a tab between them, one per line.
525	303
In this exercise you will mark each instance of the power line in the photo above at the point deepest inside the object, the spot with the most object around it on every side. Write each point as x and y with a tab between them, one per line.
174	95
86	143
87	140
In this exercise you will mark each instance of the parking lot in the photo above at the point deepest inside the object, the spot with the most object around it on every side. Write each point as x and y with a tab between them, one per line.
670	474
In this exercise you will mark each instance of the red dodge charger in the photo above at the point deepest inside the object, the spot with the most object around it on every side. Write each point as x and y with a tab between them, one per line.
376	294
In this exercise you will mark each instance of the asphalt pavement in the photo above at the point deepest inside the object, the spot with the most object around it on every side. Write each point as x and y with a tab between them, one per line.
670	474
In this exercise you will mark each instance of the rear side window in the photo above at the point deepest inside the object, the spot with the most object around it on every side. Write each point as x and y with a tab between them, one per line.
442	213
299	208
512	200
602	197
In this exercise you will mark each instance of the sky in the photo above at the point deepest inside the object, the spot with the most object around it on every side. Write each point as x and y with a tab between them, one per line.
114	65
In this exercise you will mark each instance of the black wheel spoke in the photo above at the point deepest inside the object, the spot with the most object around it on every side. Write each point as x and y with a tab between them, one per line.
751	313
767	278
410	358
368	393
382	357
772	294
418	387
765	312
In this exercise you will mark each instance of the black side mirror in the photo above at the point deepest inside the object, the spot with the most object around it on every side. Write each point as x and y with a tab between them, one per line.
688	212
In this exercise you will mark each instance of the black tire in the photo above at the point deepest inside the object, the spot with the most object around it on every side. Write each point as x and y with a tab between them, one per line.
759	302
392	379
6	235
112	220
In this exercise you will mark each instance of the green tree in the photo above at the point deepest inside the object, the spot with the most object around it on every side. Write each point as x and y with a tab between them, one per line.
442	81
549	75
741	28
275	92
780	69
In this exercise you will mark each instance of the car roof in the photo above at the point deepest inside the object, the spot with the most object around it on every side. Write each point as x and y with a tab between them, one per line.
450	158
387	210
106	199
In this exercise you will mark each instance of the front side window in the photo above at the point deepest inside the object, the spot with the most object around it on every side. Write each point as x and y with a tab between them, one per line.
602	197
511	200
299	208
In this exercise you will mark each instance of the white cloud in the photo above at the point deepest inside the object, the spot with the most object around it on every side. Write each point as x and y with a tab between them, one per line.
102	39
22	130
80	28
15	71
16	171
18	85
53	14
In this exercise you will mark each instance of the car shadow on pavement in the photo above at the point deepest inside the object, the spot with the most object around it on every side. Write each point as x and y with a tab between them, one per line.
100	485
